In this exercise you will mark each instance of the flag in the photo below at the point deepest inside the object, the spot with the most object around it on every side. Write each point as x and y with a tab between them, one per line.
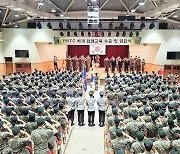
92	77
84	79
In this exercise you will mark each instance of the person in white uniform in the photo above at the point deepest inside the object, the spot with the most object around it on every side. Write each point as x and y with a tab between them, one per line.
80	103
71	106
91	109
102	106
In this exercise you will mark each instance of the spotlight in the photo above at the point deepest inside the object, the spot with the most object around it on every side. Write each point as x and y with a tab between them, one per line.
100	25
68	25
16	25
16	15
61	25
80	25
151	26
89	34
75	34
68	33
109	34
49	25
53	10
130	34
117	34
121	26
110	25
40	2
141	2
61	33
175	15
124	34
142	25
38	25
102	34
131	25
137	34
82	34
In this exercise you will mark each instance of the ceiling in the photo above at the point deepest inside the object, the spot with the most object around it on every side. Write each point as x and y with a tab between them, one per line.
19	12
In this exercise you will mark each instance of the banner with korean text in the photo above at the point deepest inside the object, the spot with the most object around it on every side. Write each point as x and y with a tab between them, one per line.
97	40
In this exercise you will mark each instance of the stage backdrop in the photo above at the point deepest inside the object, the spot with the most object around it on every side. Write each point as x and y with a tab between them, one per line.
111	50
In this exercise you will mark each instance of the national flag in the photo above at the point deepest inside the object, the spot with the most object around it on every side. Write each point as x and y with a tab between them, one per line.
84	79
92	77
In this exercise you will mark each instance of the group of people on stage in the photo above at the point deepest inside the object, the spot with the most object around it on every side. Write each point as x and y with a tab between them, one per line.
127	64
77	64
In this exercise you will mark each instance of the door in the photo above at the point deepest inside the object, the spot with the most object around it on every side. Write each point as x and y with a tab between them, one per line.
9	65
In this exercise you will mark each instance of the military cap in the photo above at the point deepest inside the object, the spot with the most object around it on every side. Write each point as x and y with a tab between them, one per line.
134	115
8	110
91	93
130	101
32	117
119	132
70	92
175	96
117	120
53	93
120	152
40	110
28	93
140	136
162	112
32	100
148	144
162	133
154	116
174	152
110	119
40	121
25	110
80	92
170	122
114	111
156	106
17	93
20	101
55	109
48	119
6	100
46	105
1	123
13	119
113	105
16	130
101	93
41	92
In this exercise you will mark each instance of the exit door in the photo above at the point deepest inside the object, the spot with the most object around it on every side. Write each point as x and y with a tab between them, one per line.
9	65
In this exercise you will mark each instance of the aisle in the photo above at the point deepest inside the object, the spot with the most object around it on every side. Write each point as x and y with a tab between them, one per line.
87	140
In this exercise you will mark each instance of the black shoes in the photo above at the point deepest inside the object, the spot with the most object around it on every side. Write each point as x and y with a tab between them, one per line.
101	125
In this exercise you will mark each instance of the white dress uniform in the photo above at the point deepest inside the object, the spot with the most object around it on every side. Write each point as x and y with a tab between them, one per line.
102	106
91	109
80	102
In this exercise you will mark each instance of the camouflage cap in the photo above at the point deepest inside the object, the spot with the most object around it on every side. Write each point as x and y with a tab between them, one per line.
148	144
162	133
120	152
140	136
16	130
119	132
117	120
40	121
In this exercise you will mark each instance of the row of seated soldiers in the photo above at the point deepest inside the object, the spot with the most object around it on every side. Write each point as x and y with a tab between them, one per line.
33	113
143	115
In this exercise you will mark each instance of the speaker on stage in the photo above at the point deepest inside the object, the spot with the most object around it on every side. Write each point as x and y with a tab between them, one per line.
163	25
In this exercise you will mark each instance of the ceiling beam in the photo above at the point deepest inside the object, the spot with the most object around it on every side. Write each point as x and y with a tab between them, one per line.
18	22
164	8
133	5
54	5
103	4
5	15
71	3
124	5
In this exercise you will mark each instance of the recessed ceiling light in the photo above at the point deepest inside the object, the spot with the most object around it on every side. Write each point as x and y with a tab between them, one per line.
127	14
142	2
40	2
61	15
53	10
16	15
175	16
93	0
133	10
67	17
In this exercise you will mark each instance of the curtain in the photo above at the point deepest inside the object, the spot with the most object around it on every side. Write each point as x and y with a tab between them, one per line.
111	50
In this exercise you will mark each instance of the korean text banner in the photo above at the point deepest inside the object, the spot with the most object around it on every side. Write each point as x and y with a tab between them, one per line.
97	40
